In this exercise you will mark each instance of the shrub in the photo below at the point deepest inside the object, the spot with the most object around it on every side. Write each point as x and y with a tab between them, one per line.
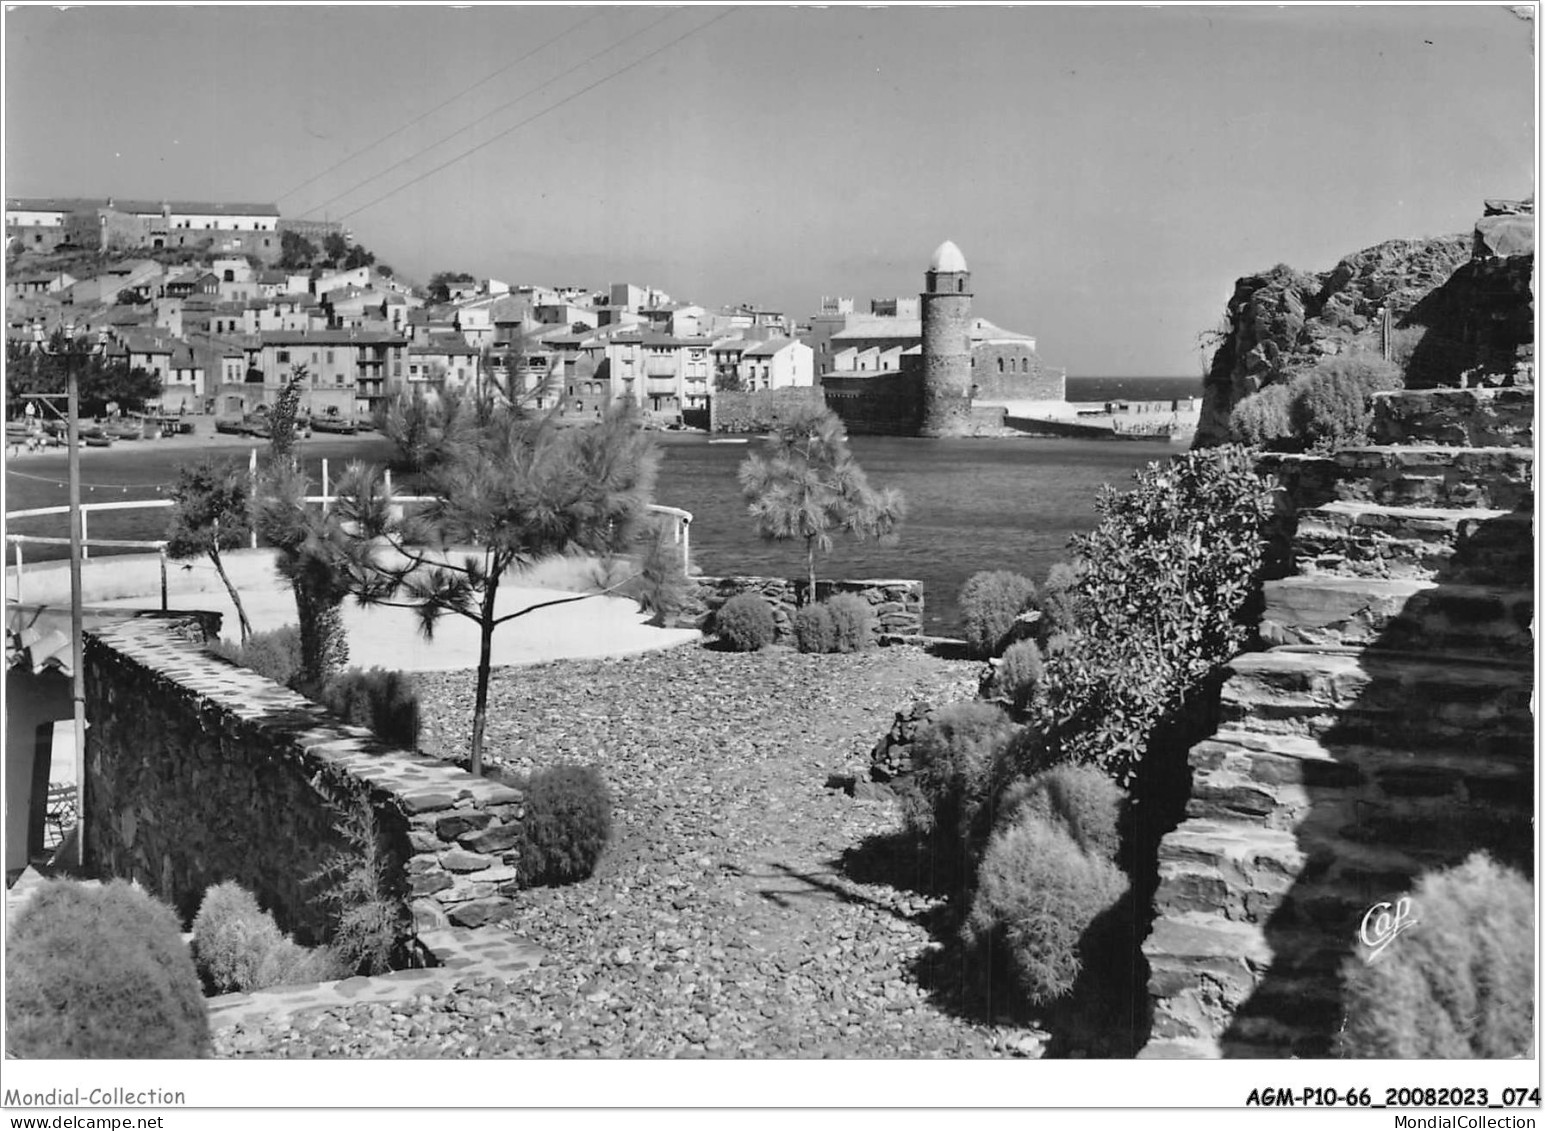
1460	984
959	768
1038	893
288	963
745	623
1329	411
101	972
1163	602
1019	673
852	622
1079	800
1329	405
384	701
989	602
1058	601
814	630
567	825
238	947
1263	419
371	923
273	654
231	938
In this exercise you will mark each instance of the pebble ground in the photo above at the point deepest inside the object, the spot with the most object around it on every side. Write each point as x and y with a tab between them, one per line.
728	918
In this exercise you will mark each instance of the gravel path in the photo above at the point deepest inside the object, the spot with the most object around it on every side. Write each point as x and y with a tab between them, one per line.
720	922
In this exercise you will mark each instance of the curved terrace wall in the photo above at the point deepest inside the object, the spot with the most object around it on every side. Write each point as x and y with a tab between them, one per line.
200	771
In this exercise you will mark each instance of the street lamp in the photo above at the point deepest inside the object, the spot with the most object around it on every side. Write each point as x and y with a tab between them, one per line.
71	354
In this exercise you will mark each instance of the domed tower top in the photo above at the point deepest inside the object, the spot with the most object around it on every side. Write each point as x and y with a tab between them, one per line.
948	258
947	271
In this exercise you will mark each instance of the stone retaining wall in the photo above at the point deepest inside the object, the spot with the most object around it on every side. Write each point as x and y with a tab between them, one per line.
200	771
898	605
760	411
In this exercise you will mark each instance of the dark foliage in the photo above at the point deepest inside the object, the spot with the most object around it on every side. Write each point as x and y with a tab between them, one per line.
813	628
961	766
745	623
852	622
383	701
991	602
567	824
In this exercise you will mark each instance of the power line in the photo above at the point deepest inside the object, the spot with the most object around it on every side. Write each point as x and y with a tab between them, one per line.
540	114
461	94
497	110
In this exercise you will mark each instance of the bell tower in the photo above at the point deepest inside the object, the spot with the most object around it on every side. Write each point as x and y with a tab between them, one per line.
946	304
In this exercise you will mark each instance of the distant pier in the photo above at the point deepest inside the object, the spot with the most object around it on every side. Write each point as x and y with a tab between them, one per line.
1105	420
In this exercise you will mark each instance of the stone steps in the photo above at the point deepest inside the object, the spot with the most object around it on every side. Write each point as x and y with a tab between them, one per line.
1402	614
1393	698
1475	418
1456	545
1498	478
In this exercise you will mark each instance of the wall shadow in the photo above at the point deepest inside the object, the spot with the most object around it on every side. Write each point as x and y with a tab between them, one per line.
1429	764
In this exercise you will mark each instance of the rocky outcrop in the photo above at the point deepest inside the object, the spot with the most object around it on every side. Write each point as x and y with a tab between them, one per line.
1384	730
1458	309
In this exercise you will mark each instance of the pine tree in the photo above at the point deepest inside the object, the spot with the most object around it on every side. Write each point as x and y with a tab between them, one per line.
508	491
211	513
809	486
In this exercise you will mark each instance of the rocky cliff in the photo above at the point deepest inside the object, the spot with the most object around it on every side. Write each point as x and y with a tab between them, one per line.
1450	310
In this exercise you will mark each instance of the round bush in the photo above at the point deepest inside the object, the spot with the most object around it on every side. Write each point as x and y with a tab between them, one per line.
1457	985
745	623
852	622
101	972
382	701
1080	800
1329	410
567	825
990	602
1039	893
1019	673
814	630
231	938
960	763
1262	419
1058	598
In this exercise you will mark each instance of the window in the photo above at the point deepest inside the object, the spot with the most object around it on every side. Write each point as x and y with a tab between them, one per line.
329	357
282	356
1000	365
960	284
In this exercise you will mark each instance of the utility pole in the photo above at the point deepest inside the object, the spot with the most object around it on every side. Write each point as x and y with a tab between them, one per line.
68	351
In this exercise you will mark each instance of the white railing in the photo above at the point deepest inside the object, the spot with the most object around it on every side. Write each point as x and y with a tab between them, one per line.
681	524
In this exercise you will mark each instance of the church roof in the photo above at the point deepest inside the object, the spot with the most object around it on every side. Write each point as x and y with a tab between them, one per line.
948	258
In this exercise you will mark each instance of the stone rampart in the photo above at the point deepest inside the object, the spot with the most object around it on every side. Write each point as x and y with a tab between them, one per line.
898	605
200	771
884	404
760	411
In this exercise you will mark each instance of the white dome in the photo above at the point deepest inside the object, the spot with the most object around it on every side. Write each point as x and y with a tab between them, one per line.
948	258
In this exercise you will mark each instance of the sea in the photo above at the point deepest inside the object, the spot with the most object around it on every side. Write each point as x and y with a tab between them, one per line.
976	504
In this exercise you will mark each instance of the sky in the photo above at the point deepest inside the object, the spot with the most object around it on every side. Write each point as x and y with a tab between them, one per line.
1108	171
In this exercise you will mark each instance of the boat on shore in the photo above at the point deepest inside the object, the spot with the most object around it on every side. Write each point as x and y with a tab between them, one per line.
333	424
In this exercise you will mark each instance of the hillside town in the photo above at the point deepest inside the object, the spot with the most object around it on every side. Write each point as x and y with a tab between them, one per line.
221	302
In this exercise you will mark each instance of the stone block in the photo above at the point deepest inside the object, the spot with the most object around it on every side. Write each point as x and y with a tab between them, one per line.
481	912
427	883
463	890
454	825
460	860
495	838
428	915
427	802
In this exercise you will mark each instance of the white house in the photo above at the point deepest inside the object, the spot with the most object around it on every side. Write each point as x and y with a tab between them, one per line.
780	363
